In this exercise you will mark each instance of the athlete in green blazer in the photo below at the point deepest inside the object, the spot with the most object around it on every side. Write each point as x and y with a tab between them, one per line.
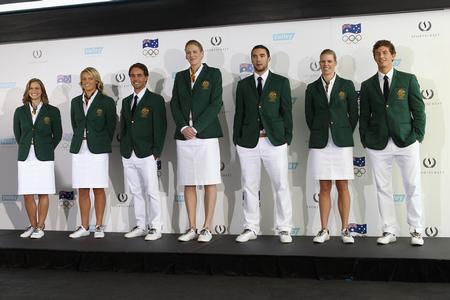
143	133
274	110
401	117
99	123
340	115
204	100
45	133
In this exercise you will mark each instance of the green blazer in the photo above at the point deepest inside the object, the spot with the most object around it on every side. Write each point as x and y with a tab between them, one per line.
402	117
146	130
275	109
100	122
46	132
340	115
204	100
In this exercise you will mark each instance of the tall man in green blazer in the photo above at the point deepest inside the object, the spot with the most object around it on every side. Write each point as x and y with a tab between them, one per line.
262	131
392	123
142	133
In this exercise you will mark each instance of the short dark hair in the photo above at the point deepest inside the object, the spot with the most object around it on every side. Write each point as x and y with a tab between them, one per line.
261	47
139	66
330	52
384	43
195	43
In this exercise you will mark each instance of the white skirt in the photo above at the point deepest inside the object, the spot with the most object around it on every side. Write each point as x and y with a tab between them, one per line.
35	176
89	170
198	162
331	162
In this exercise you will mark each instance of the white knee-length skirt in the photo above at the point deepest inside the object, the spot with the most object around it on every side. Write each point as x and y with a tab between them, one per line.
198	162
89	170
35	176
331	162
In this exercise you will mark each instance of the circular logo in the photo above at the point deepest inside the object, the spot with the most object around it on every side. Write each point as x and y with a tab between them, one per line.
216	40
220	229
359	171
222	166
352	38
424	26
120	77
427	94
150	52
316	197
122	197
37	54
431	231
314	66
67	204
429	163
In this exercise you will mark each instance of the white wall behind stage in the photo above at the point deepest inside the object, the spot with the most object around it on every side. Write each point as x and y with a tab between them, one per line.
423	45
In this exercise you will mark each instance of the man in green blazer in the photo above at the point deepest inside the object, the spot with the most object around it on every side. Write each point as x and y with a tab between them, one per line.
97	126
45	133
262	131
392	123
142	133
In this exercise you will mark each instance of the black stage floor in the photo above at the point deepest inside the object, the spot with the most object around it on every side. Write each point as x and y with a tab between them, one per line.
266	256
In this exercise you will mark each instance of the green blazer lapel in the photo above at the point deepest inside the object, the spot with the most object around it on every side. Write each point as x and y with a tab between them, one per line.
393	85
376	83
335	90
252	87
92	104
187	80
26	107
321	91
41	113
266	87
80	105
199	80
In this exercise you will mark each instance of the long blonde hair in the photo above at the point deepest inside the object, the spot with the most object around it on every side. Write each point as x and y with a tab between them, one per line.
95	75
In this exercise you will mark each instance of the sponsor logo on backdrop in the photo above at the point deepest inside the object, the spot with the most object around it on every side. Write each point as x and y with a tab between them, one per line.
245	70
351	33
431	167
216	43
66	140
314	66
179	199
7	85
93	51
220	229
315	201
429	162
292	165
295	231
122	197
398	198
359	166
431	231
120	77
66	199
64	79
428	97
122	200
11	198
285	36
397	62
224	170
357	229
425	29
316	197
8	141
150	47
37	54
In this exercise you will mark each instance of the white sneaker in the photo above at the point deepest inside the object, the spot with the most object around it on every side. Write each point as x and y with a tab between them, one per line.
204	236
346	238
416	239
322	236
28	232
79	232
189	235
246	236
99	232
285	237
136	232
386	238
37	233
153	235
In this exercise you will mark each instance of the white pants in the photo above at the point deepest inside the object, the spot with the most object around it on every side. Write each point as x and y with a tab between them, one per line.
141	177
275	161
408	160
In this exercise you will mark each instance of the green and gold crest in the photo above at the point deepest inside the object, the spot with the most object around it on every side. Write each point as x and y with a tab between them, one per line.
205	84
145	112
272	96
99	112
47	120
401	94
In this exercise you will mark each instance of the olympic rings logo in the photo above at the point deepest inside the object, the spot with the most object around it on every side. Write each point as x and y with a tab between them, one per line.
150	52
352	38
66	204
359	171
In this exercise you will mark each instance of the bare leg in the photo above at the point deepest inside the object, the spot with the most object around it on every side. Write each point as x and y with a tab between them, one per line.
85	206
210	204
190	198
99	205
31	208
343	201
42	210
324	202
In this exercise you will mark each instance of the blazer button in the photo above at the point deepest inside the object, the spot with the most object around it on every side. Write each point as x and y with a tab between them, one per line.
260	106
387	105
132	122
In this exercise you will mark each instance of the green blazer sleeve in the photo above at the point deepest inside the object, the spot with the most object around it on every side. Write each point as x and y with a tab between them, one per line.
111	117
56	128
352	105
175	104
364	113
159	127
238	114
286	110
417	108
309	107
16	126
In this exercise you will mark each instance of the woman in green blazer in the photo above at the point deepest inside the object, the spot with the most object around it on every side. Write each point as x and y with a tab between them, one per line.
331	110
37	129
93	117
196	101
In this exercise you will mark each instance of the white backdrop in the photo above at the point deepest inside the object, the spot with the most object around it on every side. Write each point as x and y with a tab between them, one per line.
422	41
